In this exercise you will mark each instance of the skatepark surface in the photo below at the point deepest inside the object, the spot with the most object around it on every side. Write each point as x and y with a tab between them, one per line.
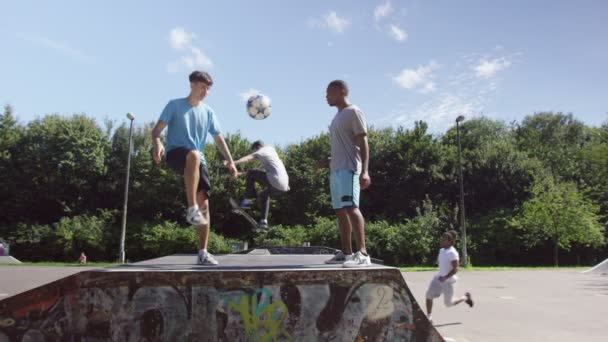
530	305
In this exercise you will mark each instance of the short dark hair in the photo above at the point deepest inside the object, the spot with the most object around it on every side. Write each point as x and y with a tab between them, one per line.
201	76
453	233
340	84
257	144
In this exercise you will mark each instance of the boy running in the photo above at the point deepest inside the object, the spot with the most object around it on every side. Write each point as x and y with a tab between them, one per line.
443	282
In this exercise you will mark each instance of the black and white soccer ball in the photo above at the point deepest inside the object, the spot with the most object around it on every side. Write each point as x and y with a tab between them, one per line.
259	107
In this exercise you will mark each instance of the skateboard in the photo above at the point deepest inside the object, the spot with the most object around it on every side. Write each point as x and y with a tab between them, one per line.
240	211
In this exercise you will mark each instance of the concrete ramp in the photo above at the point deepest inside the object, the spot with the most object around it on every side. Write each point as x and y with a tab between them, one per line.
247	298
601	268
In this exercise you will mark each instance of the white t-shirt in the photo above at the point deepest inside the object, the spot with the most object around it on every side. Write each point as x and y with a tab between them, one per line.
444	259
275	170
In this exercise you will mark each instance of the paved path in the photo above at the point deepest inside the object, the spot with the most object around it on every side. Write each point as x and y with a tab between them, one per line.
16	279
509	305
522	306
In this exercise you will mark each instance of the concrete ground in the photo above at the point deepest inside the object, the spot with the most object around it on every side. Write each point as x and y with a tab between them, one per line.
562	305
509	305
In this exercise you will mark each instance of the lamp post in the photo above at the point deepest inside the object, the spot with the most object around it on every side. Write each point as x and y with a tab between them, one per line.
463	226
124	209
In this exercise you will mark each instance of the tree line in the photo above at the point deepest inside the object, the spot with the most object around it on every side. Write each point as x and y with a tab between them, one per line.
536	192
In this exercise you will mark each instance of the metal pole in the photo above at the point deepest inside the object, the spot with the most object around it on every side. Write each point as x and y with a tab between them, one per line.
462	216
124	209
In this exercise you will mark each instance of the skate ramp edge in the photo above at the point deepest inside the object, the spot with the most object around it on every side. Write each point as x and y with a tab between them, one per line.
601	268
315	304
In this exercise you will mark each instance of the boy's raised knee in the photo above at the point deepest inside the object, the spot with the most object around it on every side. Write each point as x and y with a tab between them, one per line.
193	156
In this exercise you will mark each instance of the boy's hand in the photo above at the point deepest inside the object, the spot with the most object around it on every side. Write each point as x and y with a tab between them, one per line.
232	168
364	180
159	151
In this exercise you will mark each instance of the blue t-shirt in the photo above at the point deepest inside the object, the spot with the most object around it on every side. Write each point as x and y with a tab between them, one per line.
187	126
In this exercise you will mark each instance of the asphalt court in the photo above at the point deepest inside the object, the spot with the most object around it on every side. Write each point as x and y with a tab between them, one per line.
545	305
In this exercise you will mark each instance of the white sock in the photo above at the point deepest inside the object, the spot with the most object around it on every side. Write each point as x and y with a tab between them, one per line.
202	251
194	207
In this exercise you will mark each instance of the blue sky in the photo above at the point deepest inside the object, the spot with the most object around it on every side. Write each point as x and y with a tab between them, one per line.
404	60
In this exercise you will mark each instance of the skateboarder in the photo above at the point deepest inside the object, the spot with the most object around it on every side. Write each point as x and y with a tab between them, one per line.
273	178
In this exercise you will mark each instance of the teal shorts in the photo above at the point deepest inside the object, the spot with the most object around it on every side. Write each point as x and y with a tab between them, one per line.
344	187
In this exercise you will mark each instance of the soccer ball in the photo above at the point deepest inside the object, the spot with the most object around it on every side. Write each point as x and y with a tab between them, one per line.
258	106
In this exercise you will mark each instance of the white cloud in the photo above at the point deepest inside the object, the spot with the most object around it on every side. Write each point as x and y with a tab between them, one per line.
332	22
397	33
464	91
383	10
420	77
201	59
60	47
180	38
488	68
248	93
439	113
192	56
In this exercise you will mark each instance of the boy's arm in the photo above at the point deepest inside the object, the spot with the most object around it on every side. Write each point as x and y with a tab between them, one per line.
364	179
244	159
221	145
159	149
451	273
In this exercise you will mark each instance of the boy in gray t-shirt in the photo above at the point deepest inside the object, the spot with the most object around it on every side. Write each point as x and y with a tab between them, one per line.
273	178
348	174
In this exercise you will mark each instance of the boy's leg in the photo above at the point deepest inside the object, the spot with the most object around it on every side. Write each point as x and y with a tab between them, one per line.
265	203
202	197
341	189
186	162
357	223
253	176
429	307
448	295
354	214
203	230
264	198
191	176
345	228
434	290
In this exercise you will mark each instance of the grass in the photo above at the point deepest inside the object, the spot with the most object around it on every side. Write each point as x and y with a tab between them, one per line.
496	268
63	264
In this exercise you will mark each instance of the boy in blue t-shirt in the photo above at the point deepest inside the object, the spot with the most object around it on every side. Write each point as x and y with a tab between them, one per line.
188	120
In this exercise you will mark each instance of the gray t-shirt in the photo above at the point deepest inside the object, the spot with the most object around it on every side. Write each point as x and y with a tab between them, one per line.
346	125
275	169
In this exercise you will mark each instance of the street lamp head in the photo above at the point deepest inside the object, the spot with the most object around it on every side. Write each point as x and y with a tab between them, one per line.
460	118
130	116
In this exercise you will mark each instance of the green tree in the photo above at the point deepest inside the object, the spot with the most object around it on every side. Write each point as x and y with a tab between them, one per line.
58	166
558	212
406	167
309	194
555	139
10	136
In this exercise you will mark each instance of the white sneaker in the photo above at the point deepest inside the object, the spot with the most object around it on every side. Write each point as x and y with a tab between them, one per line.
339	258
358	260
206	259
196	217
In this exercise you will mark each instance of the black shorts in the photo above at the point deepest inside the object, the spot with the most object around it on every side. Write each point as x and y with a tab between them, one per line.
176	159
